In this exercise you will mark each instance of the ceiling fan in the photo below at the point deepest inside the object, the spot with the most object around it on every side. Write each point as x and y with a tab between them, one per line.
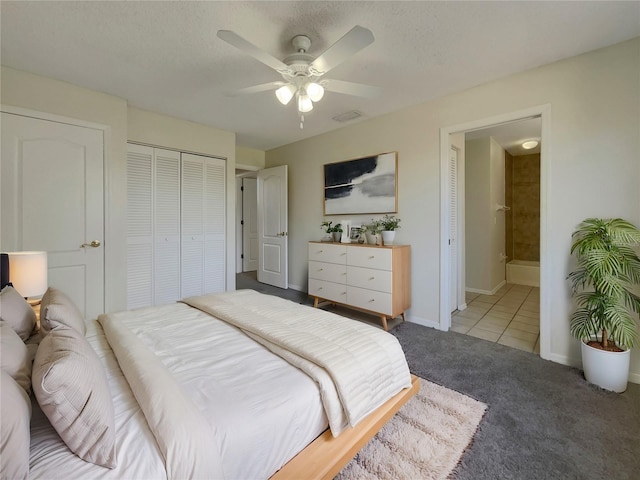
302	73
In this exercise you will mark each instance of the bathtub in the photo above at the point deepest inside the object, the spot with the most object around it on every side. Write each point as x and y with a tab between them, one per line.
523	272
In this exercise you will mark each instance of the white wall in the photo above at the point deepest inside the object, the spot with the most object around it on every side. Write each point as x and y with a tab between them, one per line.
593	169
478	215
249	157
42	94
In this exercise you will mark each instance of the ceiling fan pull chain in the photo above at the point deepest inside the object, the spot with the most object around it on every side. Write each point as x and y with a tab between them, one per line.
301	122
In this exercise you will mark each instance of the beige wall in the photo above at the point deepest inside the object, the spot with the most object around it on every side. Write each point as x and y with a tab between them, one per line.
478	215
593	169
41	94
249	157
525	206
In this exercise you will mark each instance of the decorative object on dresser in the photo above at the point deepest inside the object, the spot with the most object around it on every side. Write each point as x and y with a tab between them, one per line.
363	185
390	223
372	232
334	233
371	279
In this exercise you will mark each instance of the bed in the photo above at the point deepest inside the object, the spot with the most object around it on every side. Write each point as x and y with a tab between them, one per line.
235	385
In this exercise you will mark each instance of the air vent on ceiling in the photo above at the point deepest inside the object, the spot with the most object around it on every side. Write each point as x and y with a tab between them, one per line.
347	116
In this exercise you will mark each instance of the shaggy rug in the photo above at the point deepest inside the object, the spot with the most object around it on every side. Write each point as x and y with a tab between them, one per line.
424	440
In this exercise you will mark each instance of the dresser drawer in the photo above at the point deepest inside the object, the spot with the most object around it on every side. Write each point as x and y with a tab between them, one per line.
378	302
326	252
369	278
328	290
378	258
331	272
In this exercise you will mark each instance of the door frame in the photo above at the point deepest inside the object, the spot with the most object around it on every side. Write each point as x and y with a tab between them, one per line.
110	258
544	112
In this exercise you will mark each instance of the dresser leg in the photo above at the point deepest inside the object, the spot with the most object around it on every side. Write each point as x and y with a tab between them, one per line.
403	316
384	323
315	302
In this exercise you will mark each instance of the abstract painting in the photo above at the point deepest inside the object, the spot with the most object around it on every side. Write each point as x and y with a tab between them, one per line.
363	185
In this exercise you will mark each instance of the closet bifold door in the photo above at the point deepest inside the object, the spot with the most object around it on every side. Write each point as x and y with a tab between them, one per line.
203	225
153	226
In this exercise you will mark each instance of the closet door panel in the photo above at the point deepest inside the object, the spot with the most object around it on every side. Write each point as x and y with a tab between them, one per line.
167	226
193	194
214	224
139	226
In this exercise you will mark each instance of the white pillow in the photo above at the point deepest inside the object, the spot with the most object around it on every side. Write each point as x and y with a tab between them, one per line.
17	312
71	388
58	309
15	415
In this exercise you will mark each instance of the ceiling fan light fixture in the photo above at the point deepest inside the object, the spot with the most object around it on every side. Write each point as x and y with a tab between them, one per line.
315	91
304	103
285	94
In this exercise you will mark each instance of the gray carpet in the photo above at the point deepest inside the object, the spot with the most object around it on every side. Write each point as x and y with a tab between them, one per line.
544	420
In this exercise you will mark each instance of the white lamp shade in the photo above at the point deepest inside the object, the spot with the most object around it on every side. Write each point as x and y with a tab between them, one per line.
28	273
285	94
304	104
315	91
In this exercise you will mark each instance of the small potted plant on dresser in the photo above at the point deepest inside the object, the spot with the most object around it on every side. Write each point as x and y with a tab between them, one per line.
606	319
390	224
372	232
333	232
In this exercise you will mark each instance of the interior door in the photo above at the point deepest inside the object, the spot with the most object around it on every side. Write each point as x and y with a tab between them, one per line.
52	200
272	226
250	225
453	228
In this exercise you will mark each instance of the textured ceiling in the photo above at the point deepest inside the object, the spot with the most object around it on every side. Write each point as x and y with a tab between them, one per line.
165	56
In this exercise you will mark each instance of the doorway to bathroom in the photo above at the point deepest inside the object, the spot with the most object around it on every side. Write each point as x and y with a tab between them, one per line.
499	238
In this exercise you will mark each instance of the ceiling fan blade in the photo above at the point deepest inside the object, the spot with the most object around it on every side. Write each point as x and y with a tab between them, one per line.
237	41
351	88
263	87
353	41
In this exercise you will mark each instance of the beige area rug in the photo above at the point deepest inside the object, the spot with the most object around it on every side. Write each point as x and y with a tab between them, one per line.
424	440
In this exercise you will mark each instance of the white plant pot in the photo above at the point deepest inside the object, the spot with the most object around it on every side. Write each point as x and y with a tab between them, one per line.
609	370
388	237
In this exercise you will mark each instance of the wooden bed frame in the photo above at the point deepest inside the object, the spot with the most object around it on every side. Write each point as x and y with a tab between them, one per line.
327	455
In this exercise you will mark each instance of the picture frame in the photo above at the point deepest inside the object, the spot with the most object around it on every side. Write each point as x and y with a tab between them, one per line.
367	185
355	233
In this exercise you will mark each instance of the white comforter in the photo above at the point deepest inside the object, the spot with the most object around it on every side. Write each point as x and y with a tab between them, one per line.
357	367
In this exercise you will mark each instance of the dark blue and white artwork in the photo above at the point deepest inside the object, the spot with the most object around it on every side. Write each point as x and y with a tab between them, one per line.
364	185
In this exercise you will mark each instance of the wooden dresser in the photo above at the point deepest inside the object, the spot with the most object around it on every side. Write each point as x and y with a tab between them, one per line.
364	277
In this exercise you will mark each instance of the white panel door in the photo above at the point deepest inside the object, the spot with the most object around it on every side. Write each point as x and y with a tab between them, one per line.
52	200
272	226
250	225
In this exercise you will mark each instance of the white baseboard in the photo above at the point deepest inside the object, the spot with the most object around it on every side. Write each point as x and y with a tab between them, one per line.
462	307
423	321
486	292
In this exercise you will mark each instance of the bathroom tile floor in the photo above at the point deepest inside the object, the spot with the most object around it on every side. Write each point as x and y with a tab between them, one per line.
511	317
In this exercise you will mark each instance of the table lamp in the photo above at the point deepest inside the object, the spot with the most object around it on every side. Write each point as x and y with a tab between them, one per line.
28	274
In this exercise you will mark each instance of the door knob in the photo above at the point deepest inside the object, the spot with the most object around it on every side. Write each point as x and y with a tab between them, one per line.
93	244
282	234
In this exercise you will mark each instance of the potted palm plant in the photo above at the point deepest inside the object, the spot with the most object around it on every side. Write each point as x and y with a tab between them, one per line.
390	224
606	319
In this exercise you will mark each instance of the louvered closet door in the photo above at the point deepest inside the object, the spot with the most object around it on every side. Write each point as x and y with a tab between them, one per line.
166	226
203	225
139	226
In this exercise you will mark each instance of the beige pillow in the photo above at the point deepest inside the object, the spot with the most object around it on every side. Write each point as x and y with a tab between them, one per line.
15	415
15	357
71	387
17	312
58	309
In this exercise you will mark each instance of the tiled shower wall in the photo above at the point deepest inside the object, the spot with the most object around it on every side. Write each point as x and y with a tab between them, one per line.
522	194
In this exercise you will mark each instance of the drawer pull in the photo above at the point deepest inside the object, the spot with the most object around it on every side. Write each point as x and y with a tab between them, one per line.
320	269
343	293
372	257
320	251
319	288
343	254
372	278
372	300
